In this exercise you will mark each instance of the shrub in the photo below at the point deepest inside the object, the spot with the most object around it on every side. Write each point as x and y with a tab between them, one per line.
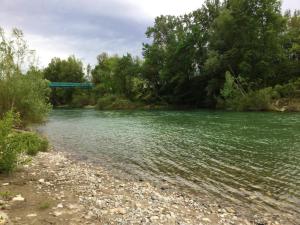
80	100
289	90
116	102
13	143
8	147
236	99
105	102
44	205
259	100
25	93
31	143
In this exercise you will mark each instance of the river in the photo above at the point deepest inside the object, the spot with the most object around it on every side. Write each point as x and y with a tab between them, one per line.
248	159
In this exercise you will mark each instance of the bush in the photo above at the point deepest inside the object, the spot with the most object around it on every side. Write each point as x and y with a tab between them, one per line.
25	93
13	143
105	102
8	146
116	102
31	143
289	90
234	98
80	100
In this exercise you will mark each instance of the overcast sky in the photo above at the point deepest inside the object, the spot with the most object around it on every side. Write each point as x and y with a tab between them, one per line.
86	28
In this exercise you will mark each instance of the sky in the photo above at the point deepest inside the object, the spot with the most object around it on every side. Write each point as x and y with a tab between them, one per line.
85	28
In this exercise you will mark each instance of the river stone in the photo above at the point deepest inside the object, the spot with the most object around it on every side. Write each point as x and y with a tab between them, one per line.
121	211
42	181
206	219
3	218
57	213
18	198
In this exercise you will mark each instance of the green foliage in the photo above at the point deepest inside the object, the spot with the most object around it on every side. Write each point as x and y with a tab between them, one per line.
188	56
237	99
229	90
69	70
31	143
242	54
289	90
109	102
25	93
44	205
13	143
8	149
81	99
6	195
116	75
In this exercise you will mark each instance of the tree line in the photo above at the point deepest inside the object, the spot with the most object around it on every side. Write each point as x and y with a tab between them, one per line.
247	47
233	54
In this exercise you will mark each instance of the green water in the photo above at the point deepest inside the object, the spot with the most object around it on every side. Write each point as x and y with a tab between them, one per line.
248	159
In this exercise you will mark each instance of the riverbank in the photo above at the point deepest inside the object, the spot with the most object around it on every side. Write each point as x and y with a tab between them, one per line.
278	105
54	189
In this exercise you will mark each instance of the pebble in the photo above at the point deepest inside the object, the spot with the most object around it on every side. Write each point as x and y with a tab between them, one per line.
118	211
57	213
41	181
114	201
5	184
18	198
206	219
3	218
154	218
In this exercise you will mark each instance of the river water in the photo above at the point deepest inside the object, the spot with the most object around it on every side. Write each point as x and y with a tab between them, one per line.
248	159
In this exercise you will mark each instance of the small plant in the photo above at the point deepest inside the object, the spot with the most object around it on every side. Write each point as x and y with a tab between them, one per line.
6	195
44	205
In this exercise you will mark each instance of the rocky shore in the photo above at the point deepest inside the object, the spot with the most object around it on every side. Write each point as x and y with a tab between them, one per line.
54	189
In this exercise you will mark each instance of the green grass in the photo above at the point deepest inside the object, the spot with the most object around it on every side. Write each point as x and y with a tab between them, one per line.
44	205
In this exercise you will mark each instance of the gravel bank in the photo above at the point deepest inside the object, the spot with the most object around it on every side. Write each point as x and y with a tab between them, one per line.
54	189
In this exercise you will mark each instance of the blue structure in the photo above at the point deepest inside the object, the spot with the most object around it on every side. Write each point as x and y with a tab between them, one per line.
71	85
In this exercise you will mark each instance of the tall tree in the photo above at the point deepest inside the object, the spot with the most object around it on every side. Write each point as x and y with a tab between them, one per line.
64	70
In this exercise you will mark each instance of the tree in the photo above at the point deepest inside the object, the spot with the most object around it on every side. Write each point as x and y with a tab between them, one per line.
26	93
115	75
174	61
64	70
246	39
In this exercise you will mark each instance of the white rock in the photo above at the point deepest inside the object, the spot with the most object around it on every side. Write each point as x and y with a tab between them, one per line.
60	205
18	198
32	215
206	220
42	181
153	218
3	218
57	213
5	184
89	215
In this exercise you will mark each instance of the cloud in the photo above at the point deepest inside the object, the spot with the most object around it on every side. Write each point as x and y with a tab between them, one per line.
84	28
88	27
